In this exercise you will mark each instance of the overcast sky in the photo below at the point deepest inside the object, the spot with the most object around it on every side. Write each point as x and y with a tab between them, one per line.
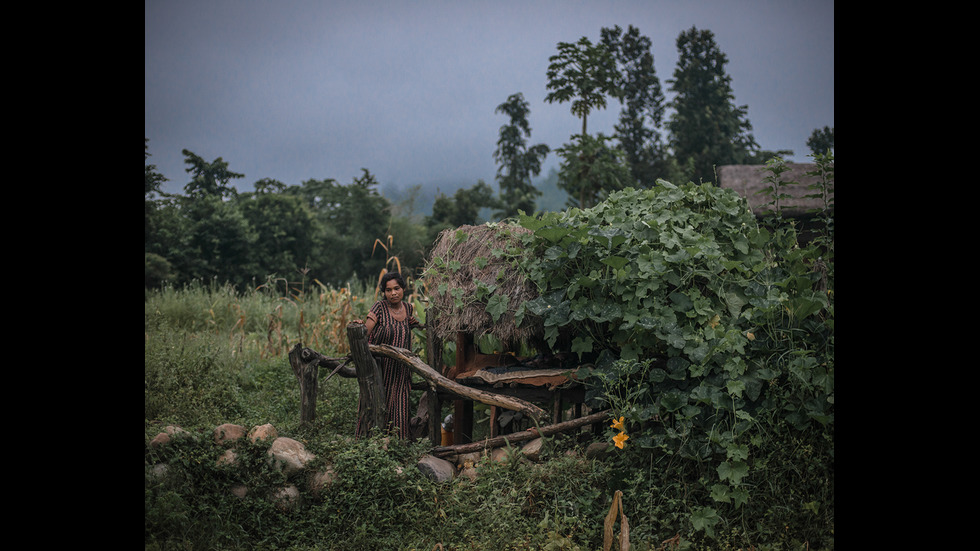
301	89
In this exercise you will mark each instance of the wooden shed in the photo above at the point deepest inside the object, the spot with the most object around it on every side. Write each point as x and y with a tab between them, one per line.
475	290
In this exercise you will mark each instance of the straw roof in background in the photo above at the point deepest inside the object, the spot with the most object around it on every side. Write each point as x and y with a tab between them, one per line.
749	180
461	258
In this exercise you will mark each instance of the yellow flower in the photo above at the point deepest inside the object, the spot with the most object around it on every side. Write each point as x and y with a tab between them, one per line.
620	439
750	335
618	424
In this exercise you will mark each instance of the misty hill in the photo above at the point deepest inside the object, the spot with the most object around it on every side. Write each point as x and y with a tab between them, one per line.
417	200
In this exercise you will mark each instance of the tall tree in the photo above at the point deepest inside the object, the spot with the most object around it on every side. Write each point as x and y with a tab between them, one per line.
638	128
821	141
462	208
518	163
707	129
351	217
285	231
212	178
583	73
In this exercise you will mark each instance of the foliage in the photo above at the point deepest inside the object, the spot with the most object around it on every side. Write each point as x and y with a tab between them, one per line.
712	336
518	163
584	74
706	126
641	117
591	170
463	208
821	141
216	233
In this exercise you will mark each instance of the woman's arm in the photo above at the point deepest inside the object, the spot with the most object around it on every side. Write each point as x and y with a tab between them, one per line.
372	320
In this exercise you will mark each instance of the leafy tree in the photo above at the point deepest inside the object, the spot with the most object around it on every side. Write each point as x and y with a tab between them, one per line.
212	178
214	243
590	170
153	179
152	182
583	73
462	208
518	163
351	218
821	141
706	127
156	268
643	104
286	233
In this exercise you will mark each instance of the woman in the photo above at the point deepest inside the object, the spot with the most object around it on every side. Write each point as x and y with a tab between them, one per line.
390	322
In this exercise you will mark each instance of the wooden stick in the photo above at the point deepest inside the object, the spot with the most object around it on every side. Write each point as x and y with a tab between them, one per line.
429	374
529	434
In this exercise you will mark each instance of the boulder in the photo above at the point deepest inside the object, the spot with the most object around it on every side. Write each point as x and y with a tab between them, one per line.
289	455
286	498
532	450
228	433
169	434
228	458
468	473
239	490
597	450
263	432
321	481
436	469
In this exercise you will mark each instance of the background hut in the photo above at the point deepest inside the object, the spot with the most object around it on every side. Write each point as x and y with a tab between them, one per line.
750	181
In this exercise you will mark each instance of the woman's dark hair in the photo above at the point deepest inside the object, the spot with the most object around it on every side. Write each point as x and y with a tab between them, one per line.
389	276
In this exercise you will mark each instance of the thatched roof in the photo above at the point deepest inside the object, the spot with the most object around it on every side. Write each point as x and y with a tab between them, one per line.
464	265
748	180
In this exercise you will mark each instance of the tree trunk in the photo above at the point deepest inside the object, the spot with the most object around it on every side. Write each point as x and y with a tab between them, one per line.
430	375
371	406
529	434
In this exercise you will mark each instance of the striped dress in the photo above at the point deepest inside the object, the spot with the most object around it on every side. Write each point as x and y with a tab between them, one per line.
396	376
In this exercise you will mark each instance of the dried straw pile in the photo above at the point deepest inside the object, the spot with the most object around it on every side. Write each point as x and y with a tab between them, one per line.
461	258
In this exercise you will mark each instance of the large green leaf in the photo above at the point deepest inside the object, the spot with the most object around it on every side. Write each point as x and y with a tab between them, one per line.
497	305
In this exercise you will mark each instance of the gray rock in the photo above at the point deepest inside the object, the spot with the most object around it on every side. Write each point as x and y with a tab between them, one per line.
289	455
436	469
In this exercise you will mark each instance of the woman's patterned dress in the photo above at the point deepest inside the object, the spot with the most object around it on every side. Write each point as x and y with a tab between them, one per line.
396	376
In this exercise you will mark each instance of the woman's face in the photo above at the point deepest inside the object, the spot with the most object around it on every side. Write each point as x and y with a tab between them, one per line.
393	291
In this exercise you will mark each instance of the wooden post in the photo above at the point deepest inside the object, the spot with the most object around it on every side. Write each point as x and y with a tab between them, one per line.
305	364
433	345
462	409
371	405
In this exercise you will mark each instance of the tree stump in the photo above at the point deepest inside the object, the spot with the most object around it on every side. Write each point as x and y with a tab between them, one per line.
305	364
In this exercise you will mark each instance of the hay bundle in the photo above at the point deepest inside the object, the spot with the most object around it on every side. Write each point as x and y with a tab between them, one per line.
467	268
